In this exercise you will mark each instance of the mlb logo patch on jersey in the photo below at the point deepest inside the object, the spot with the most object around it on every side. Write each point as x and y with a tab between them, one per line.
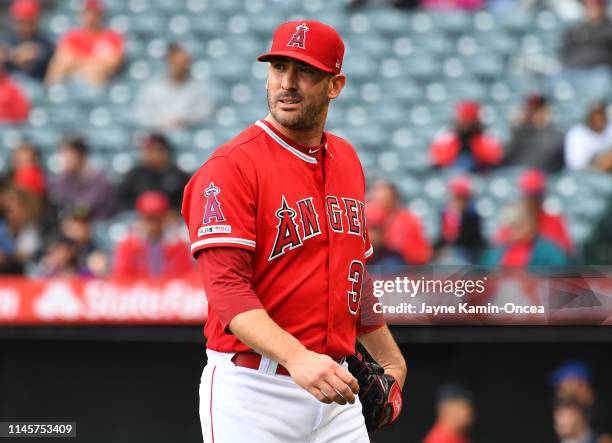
217	229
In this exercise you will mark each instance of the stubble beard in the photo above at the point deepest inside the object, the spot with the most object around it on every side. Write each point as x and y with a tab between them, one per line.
307	118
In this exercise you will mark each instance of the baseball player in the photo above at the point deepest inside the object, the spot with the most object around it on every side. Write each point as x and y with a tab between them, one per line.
276	222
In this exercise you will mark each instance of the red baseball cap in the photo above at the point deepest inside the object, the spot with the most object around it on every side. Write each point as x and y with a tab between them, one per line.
533	182
152	203
468	111
309	41
94	5
25	9
461	186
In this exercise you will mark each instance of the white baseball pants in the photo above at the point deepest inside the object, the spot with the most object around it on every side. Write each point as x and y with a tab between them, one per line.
246	405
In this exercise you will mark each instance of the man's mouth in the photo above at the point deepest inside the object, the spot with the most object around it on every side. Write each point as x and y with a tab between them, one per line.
289	101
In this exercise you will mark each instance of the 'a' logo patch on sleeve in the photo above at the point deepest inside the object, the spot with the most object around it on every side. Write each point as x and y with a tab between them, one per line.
212	207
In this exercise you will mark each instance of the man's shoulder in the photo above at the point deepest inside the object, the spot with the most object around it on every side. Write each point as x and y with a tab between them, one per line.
342	146
339	142
244	143
243	147
110	33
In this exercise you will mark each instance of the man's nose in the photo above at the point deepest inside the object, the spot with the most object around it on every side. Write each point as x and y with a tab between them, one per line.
289	81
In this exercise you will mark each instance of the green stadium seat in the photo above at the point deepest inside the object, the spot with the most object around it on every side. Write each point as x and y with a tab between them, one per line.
403	90
359	67
421	66
454	23
518	22
207	24
147	24
390	22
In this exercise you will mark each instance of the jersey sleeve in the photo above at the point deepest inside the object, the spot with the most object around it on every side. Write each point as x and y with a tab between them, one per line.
219	207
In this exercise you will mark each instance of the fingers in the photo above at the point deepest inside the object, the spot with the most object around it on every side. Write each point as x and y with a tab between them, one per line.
319	395
348	379
323	378
344	391
331	393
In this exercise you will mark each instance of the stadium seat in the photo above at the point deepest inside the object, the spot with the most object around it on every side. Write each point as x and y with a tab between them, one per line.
453	23
147	24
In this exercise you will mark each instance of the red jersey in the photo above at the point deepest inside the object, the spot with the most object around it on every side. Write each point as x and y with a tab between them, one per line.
136	257
441	434
14	105
303	218
404	233
85	43
550	226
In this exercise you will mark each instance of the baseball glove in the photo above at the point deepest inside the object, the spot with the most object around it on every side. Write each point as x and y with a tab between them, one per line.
379	393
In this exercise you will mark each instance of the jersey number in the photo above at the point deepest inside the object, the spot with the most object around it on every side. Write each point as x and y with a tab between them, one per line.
355	278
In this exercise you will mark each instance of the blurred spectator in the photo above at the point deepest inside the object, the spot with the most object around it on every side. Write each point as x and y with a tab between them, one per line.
571	422
174	100
450	5
573	379
92	52
76	226
155	248
467	147
553	227
461	239
535	142
20	238
402	231
14	105
383	256
589	144
157	172
78	184
28	50
567	10
589	43
523	245
60	259
26	171
455	416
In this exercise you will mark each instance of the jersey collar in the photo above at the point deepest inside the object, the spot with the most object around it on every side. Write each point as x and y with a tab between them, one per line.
297	149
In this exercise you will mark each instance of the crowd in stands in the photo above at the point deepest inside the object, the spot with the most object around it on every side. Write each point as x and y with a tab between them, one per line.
47	220
576	416
46	227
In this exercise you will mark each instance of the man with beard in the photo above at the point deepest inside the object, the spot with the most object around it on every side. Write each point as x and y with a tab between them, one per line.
276	222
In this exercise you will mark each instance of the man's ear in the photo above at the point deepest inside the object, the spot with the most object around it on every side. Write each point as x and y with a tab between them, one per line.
336	83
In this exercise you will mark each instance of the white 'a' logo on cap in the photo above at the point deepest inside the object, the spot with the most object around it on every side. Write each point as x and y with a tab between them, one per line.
299	37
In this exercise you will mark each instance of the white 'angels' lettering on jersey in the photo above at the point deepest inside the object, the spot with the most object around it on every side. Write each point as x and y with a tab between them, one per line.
288	235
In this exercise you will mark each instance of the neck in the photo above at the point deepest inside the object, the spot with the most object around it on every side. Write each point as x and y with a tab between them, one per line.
179	77
307	137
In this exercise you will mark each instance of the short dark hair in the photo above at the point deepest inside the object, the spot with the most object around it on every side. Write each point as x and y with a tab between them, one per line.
158	139
174	47
77	144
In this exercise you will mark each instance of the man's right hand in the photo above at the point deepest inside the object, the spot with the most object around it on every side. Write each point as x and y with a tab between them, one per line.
323	377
